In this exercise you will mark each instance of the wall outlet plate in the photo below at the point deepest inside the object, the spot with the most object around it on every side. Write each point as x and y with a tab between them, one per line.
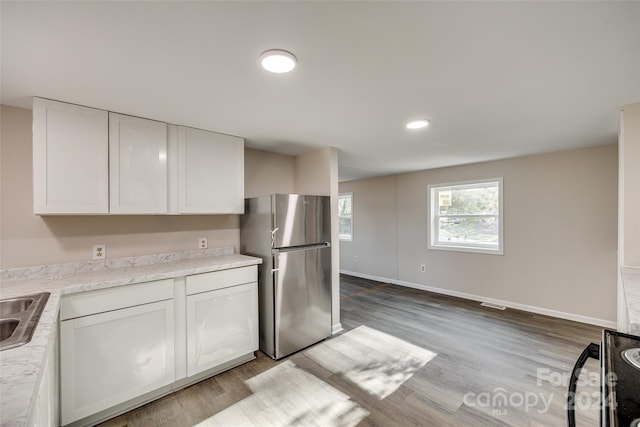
202	243
423	268
100	251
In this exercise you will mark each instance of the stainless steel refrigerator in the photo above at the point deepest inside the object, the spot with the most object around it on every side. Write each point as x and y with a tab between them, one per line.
292	235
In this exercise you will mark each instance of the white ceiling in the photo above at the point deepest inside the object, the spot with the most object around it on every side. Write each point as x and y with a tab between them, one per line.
496	79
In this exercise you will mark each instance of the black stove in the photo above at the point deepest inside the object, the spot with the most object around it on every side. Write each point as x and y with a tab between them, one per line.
620	379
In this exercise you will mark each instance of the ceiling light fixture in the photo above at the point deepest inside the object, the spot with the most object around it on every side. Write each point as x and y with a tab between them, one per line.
278	61
418	124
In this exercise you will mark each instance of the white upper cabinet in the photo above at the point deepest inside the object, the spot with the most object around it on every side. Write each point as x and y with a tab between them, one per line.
210	172
89	161
137	165
70	159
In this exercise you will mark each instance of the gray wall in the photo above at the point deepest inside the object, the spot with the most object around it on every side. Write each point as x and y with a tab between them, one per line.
267	173
560	234
375	228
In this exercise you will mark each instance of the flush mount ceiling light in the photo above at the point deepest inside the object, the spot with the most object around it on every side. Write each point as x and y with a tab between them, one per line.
418	124
278	61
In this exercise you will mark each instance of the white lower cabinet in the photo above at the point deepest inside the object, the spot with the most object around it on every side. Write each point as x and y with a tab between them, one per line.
111	357
222	325
121	347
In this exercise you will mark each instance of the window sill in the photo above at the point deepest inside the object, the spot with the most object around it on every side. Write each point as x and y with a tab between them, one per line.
471	249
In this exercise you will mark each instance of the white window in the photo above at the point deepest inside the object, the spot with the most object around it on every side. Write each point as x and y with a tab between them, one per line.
345	216
467	216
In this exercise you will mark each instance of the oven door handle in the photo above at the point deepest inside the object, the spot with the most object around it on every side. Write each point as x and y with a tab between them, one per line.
591	351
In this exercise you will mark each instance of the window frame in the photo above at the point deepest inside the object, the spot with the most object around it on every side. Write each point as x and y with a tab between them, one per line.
433	229
342	237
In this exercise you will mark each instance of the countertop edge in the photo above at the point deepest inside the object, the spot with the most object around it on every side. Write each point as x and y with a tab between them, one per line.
24	375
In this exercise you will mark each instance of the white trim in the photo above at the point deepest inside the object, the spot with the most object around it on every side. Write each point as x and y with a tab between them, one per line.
621	306
509	304
336	327
431	207
342	237
494	306
462	248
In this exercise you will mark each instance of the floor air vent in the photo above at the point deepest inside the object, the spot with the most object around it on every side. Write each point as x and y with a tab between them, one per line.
496	306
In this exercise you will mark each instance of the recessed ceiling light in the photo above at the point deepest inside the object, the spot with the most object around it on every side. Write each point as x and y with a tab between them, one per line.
278	61
417	124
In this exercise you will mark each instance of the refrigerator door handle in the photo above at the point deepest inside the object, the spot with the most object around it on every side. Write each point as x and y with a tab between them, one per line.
273	236
321	245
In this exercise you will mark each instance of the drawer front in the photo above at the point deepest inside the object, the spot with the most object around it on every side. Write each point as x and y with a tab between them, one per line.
87	303
221	279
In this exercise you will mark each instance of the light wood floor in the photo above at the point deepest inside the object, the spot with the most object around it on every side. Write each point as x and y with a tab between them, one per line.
470	366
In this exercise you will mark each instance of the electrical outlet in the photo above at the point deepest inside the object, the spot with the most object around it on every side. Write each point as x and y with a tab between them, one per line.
99	251
423	268
202	243
355	258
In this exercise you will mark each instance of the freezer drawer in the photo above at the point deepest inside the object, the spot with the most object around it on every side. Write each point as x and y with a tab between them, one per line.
302	297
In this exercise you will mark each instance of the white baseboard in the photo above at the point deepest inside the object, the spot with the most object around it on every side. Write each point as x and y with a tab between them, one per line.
335	328
530	308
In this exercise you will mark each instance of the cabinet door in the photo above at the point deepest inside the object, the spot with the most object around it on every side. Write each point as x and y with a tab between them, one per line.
112	357
137	165
70	159
221	326
210	172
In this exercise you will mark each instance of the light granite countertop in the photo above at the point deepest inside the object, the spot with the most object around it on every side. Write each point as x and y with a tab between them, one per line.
21	368
631	286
